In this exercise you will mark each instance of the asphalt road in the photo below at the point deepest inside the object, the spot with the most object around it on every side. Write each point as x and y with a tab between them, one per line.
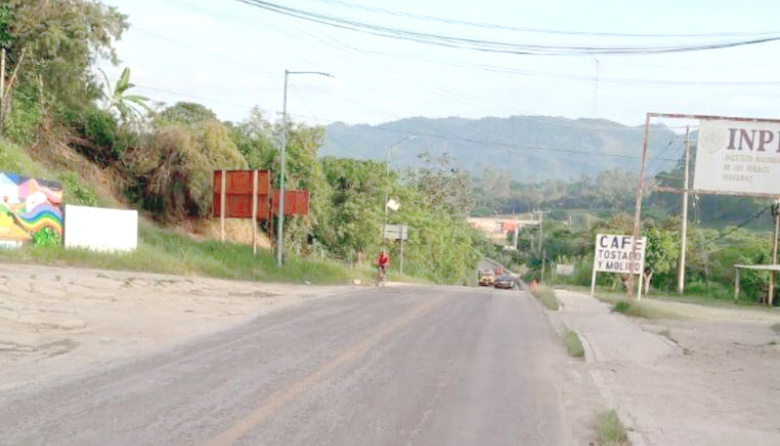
393	366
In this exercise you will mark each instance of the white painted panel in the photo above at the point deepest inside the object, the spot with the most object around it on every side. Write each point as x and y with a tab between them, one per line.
100	229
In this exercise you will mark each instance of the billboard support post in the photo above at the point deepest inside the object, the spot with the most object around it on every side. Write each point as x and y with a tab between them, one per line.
640	185
254	212
222	206
776	216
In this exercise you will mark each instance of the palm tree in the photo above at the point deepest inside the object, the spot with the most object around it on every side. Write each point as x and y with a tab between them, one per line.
126	104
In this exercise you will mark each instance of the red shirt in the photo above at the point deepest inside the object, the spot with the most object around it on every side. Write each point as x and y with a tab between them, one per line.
384	260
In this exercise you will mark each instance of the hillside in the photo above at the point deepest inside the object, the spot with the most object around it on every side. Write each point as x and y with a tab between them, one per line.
533	148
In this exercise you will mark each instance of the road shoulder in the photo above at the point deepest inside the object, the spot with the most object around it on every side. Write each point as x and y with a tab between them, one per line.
687	381
56	322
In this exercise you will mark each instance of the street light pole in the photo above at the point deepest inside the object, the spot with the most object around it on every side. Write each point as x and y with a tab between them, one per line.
280	233
387	180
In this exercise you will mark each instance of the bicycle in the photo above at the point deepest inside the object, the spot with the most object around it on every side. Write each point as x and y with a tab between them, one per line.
381	277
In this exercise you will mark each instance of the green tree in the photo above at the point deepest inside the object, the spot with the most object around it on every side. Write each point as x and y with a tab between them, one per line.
443	186
54	44
254	138
188	113
117	98
662	252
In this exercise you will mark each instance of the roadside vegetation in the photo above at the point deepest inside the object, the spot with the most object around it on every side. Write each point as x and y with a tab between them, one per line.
723	231
546	296
630	307
573	344
610	430
165	252
65	119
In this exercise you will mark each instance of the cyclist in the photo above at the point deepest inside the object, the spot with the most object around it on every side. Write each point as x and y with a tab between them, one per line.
382	263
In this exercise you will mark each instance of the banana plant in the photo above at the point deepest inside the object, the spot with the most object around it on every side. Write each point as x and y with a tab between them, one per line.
127	105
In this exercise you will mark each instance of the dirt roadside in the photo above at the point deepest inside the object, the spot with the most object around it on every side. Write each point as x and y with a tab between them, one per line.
710	377
55	322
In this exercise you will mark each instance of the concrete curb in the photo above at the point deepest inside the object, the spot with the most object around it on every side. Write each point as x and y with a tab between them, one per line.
635	435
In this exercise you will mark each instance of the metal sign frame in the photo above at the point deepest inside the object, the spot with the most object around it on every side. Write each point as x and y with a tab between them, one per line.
643	167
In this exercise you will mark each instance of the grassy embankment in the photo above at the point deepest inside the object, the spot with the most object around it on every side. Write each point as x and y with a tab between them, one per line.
164	251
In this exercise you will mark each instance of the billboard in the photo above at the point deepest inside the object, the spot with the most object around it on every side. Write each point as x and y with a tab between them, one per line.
738	157
28	205
239	200
615	254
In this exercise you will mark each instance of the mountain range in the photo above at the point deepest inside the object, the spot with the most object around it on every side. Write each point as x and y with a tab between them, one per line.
531	148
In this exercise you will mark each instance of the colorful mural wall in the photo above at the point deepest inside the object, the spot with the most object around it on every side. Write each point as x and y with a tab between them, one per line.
28	205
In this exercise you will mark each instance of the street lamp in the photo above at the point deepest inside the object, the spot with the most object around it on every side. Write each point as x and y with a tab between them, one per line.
387	178
280	234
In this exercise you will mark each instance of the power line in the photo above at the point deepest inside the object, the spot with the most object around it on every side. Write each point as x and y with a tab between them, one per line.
738	227
494	46
536	30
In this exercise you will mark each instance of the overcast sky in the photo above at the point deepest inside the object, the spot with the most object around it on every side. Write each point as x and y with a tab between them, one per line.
231	56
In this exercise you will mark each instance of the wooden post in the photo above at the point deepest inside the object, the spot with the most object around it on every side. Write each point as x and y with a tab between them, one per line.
222	207
254	212
736	286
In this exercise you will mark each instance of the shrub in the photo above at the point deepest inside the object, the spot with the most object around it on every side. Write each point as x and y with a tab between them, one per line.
77	193
46	237
172	169
546	296
100	127
611	430
573	344
24	116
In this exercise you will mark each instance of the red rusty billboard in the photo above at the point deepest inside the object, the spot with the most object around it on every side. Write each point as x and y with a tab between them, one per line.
238	196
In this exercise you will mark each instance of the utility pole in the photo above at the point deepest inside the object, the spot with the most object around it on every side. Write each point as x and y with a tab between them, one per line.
541	230
684	228
387	182
280	231
280	234
776	215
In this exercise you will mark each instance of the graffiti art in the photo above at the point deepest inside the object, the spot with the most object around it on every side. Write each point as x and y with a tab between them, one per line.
28	205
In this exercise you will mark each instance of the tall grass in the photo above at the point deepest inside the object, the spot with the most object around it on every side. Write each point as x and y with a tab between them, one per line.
611	431
546	296
573	344
166	252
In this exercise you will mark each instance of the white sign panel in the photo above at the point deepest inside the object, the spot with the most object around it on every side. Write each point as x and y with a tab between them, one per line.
396	232
736	156
100	229
615	254
564	270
